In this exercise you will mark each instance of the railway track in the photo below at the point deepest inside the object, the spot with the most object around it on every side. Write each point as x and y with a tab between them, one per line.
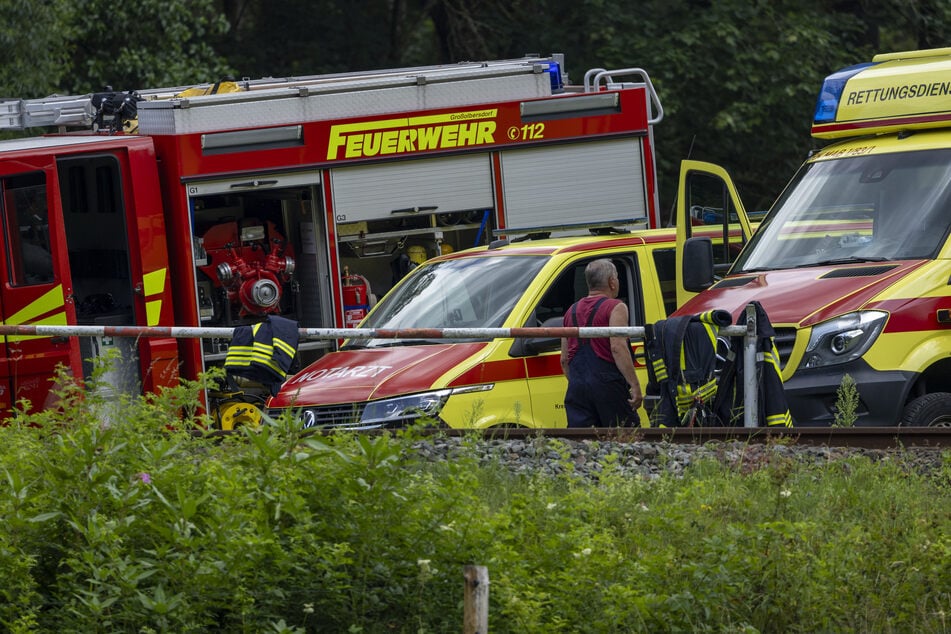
858	437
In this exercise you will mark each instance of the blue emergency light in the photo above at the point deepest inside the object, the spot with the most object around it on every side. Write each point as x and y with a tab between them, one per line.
554	74
828	103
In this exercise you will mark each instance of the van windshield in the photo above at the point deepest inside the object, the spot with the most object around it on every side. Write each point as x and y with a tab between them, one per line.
471	292
857	209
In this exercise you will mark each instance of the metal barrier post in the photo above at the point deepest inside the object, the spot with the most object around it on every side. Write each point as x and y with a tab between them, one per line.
750	389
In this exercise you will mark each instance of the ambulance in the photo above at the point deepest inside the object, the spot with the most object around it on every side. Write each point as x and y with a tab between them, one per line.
852	263
527	280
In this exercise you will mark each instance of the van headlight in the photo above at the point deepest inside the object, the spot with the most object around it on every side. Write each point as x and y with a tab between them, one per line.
405	409
843	339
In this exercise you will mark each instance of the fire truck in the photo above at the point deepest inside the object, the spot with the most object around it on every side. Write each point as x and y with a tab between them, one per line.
304	197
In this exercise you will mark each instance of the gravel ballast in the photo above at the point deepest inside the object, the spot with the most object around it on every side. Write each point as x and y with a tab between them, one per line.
588	458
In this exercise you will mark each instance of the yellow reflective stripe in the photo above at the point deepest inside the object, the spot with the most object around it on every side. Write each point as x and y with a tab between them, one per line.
243	356
776	420
153	312
263	350
44	304
772	358
707	389
239	355
52	300
687	395
269	363
711	331
59	319
285	347
153	282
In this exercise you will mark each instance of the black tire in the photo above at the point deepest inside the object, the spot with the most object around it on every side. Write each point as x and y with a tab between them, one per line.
930	410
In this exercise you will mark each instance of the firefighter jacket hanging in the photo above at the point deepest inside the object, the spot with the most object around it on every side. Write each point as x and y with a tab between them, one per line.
771	401
263	352
681	368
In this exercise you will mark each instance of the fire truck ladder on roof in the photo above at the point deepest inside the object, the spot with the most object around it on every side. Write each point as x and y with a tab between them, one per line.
81	111
167	111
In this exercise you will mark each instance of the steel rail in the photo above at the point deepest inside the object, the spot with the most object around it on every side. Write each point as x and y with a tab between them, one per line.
860	437
885	438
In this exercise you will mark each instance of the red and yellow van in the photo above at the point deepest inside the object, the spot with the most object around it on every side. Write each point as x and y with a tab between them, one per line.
371	383
853	261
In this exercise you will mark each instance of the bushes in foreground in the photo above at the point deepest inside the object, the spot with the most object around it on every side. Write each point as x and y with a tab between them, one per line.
119	522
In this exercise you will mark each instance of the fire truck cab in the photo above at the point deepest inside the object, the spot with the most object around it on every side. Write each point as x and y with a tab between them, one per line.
851	261
305	197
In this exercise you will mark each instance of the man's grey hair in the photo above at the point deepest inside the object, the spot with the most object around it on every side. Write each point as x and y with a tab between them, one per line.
598	273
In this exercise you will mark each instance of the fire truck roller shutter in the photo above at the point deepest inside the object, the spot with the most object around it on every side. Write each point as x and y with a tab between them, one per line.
441	185
603	180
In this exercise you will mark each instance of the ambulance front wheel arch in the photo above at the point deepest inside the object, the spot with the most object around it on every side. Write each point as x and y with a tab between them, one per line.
930	410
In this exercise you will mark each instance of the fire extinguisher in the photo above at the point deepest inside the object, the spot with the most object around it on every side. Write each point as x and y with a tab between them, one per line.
356	298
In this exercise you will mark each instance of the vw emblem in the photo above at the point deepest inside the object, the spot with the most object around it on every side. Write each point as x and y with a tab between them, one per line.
309	419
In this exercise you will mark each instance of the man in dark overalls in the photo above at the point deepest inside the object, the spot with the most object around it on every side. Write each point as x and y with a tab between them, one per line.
603	390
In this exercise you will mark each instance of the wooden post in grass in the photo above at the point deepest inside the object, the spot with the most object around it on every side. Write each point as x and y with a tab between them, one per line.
476	604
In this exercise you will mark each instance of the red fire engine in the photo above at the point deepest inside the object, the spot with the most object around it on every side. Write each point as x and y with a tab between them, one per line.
301	197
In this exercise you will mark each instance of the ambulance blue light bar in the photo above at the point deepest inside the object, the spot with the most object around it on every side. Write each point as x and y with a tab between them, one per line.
828	103
895	92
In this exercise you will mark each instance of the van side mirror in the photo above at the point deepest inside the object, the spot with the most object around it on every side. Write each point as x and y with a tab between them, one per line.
530	347
698	264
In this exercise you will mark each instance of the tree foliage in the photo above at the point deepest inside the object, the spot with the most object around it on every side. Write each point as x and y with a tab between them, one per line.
737	78
147	43
31	36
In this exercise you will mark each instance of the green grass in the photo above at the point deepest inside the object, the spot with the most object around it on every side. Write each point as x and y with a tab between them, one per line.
136	526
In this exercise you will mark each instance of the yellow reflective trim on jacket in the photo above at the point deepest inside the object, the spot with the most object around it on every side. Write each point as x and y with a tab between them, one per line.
687	395
243	356
285	347
779	420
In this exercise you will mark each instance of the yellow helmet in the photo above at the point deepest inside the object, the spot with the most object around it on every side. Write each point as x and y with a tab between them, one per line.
416	253
445	248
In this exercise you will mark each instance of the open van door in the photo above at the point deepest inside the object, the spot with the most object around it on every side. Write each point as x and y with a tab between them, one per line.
35	284
707	199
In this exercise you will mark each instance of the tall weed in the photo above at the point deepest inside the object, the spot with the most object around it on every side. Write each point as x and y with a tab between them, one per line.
138	524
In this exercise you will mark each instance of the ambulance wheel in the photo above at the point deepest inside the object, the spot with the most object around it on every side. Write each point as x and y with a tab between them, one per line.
930	410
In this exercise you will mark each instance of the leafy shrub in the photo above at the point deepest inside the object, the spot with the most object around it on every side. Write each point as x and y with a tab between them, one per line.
140	523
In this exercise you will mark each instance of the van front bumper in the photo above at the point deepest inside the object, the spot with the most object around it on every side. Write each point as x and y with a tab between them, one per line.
812	395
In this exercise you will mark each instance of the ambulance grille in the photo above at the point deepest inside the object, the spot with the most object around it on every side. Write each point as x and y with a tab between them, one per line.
785	339
344	415
862	271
